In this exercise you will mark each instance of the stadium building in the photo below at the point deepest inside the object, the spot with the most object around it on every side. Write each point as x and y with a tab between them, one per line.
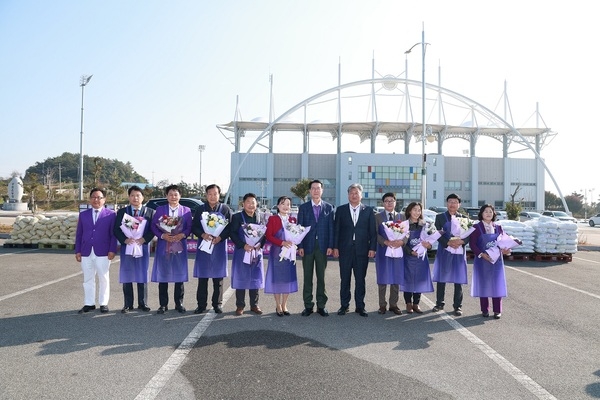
388	150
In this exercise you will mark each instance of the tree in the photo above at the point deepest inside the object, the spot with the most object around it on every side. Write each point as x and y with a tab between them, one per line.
574	202
514	208
301	189
552	201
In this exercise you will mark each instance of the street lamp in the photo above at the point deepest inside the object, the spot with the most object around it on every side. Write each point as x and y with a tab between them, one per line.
201	148
84	80
424	156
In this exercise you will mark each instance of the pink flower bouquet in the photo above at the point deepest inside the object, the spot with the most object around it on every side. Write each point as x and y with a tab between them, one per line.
293	233
253	233
460	228
503	242
395	230
133	228
173	226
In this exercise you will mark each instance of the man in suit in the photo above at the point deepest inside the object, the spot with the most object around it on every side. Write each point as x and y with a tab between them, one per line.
95	247
390	271
316	246
448	267
211	265
355	241
134	268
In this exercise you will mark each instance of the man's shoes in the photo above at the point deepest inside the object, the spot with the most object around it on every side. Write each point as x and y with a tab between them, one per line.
239	311
218	310
103	309
256	310
343	311
86	309
361	312
497	315
458	311
161	309
417	309
180	308
395	310
306	312
382	310
200	310
125	310
144	308
437	308
323	312
485	314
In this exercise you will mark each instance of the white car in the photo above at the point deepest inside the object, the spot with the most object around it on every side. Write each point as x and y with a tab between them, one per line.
561	215
528	215
500	215
595	220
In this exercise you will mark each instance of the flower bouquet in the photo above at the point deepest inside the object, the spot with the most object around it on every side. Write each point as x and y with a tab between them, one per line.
429	234
460	228
213	224
502	242
173	226
395	230
133	228
293	233
253	233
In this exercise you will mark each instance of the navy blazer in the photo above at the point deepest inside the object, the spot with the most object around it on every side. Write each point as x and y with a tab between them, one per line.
440	220
364	234
99	236
320	231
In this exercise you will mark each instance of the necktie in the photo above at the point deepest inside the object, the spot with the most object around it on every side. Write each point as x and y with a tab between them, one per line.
391	216
135	212
316	210
354	215
95	216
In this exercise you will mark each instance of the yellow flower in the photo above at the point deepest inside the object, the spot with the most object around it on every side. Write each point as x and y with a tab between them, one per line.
211	223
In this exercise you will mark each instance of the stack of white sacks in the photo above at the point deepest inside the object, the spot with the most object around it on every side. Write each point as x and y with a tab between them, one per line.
522	231
40	229
554	236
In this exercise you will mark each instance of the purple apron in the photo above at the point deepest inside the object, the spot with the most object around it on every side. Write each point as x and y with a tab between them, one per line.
246	276
488	279
212	265
390	271
281	275
448	267
417	275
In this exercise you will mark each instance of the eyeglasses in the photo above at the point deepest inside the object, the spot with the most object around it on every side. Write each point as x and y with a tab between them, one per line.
96	198
390	201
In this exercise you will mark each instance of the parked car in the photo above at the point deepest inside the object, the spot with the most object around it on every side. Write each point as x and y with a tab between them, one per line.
438	209
472	212
595	220
193	204
500	215
528	216
561	215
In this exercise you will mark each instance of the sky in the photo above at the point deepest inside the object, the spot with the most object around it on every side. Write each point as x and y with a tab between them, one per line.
165	73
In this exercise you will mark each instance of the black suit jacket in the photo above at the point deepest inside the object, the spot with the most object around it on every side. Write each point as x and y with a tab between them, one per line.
364	234
440	221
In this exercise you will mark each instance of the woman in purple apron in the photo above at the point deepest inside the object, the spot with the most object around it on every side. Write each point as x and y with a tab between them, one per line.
246	276
281	277
488	278
417	275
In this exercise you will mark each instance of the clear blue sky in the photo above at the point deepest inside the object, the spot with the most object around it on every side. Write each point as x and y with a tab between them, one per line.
166	72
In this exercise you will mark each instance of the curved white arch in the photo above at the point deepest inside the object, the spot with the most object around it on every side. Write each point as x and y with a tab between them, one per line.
386	81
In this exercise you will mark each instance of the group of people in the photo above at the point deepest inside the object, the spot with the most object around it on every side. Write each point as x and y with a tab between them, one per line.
352	232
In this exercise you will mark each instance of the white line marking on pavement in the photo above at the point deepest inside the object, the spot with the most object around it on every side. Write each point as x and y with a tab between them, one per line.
513	371
586	260
555	282
159	381
8	296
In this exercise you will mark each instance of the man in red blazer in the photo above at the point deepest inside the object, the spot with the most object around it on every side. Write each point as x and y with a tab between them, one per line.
95	247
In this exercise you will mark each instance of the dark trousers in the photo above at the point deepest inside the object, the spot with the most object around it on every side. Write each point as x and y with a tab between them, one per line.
240	297
441	293
316	262
414	298
202	292
349	264
128	294
163	294
496	304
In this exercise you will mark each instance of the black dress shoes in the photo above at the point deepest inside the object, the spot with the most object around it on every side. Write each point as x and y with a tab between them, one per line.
181	309
199	310
286	313
161	310
323	312
125	310
144	308
279	313
343	311
306	312
86	309
103	309
361	312
218	310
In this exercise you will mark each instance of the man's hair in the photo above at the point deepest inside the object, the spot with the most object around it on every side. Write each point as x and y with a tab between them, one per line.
213	186
134	187
355	186
172	187
98	190
454	196
388	194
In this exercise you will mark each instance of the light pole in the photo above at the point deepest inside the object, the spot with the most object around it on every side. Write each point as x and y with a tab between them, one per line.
424	156
201	148
84	80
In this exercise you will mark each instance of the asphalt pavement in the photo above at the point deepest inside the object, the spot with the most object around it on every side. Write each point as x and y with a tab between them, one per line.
545	346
